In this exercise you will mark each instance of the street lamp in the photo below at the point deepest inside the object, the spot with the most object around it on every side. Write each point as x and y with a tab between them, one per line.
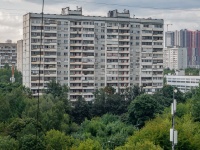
173	132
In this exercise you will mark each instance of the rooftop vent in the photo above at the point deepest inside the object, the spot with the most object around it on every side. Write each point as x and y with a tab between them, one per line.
116	14
67	11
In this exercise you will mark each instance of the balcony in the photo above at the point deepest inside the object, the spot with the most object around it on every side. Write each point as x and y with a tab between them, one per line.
124	45
75	87
75	44
124	33
124	39
112	27
75	81
75	56
75	62
75	68
89	69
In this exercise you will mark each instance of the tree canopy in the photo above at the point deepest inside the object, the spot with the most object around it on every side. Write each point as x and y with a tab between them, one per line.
125	120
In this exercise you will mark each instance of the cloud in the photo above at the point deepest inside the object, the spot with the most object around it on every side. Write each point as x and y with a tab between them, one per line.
11	27
182	14
161	4
12	33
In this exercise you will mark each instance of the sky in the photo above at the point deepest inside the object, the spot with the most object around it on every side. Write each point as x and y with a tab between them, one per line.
182	14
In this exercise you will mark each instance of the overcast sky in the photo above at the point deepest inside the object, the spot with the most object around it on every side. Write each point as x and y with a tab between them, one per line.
183	14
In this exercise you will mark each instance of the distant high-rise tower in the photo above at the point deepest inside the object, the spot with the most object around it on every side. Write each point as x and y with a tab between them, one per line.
185	39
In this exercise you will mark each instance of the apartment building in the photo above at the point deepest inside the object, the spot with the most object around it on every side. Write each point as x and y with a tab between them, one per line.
8	53
91	52
175	58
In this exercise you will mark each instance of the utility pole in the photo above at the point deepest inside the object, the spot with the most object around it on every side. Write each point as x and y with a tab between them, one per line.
173	132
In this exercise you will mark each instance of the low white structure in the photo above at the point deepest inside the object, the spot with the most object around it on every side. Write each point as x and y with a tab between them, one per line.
183	83
175	58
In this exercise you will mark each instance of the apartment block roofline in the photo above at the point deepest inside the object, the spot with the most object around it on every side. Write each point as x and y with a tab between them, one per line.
112	15
8	43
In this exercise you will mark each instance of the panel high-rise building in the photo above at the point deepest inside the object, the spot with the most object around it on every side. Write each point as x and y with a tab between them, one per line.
8	53
185	39
175	58
90	52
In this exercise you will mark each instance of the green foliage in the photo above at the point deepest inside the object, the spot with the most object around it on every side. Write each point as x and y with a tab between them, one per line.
106	123
106	101
143	145
157	130
167	93
51	115
106	128
8	143
20	126
56	140
88	145
12	101
196	105
5	111
6	74
59	92
80	110
143	108
192	72
56	89
30	142
167	71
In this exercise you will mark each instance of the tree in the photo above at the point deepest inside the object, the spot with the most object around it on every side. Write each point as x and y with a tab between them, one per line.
143	108
16	100
8	143
108	102
156	131
80	110
196	104
98	107
131	93
103	129
30	142
59	92
5	111
57	140
88	145
144	145
192	71
167	93
6	74
167	71
56	89
19	127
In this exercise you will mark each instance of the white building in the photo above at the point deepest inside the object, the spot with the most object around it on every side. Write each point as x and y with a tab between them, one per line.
184	83
8	53
89	52
19	55
175	58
